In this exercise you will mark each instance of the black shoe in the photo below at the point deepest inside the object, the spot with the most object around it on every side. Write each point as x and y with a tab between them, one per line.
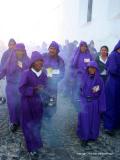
34	155
110	133
13	127
84	143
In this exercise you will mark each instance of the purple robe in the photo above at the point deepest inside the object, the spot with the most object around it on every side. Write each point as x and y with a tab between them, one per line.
52	84
112	90
31	106
6	54
13	74
91	105
78	67
54	63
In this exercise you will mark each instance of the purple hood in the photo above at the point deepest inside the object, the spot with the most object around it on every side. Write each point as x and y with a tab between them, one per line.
35	56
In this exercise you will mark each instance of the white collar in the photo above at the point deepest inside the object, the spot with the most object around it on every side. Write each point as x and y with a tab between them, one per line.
102	60
37	73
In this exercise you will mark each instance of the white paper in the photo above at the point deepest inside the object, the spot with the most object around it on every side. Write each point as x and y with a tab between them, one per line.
19	63
96	88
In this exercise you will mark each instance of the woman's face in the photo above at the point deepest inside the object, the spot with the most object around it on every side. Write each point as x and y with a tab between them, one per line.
52	51
37	65
83	48
104	52
92	70
20	53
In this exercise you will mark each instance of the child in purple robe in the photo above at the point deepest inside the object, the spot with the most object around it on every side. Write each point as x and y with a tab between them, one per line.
92	104
16	62
32	83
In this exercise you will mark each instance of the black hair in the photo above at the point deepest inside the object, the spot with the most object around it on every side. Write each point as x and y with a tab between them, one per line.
106	47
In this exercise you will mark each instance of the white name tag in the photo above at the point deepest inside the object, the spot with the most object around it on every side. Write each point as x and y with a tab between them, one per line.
96	88
86	60
56	71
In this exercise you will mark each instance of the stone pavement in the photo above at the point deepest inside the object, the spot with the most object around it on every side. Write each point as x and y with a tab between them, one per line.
59	138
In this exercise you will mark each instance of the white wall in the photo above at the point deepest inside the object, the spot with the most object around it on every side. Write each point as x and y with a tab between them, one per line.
71	20
104	28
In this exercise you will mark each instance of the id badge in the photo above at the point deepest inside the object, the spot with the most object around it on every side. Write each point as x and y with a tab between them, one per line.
49	72
86	60
56	71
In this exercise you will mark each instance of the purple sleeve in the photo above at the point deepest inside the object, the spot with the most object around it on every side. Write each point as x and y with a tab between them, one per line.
24	88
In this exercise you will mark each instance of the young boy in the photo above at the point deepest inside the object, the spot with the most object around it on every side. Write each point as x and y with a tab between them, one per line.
92	99
32	83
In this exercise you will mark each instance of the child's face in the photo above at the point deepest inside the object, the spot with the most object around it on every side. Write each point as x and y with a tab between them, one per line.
38	65
92	70
19	53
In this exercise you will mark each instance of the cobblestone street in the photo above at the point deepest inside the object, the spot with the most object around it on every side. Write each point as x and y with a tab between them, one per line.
61	143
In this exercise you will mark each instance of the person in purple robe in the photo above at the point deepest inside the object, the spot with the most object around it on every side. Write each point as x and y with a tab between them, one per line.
92	104
6	54
78	66
33	82
15	64
112	91
55	67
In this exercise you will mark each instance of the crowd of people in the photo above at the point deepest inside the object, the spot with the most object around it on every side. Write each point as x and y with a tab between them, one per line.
91	79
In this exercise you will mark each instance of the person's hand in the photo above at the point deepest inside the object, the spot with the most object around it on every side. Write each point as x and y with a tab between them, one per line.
39	88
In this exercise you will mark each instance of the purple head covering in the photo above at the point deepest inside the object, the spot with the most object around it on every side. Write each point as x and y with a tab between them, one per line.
113	62
92	64
20	46
35	56
55	45
83	43
86	74
78	53
117	46
96	79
